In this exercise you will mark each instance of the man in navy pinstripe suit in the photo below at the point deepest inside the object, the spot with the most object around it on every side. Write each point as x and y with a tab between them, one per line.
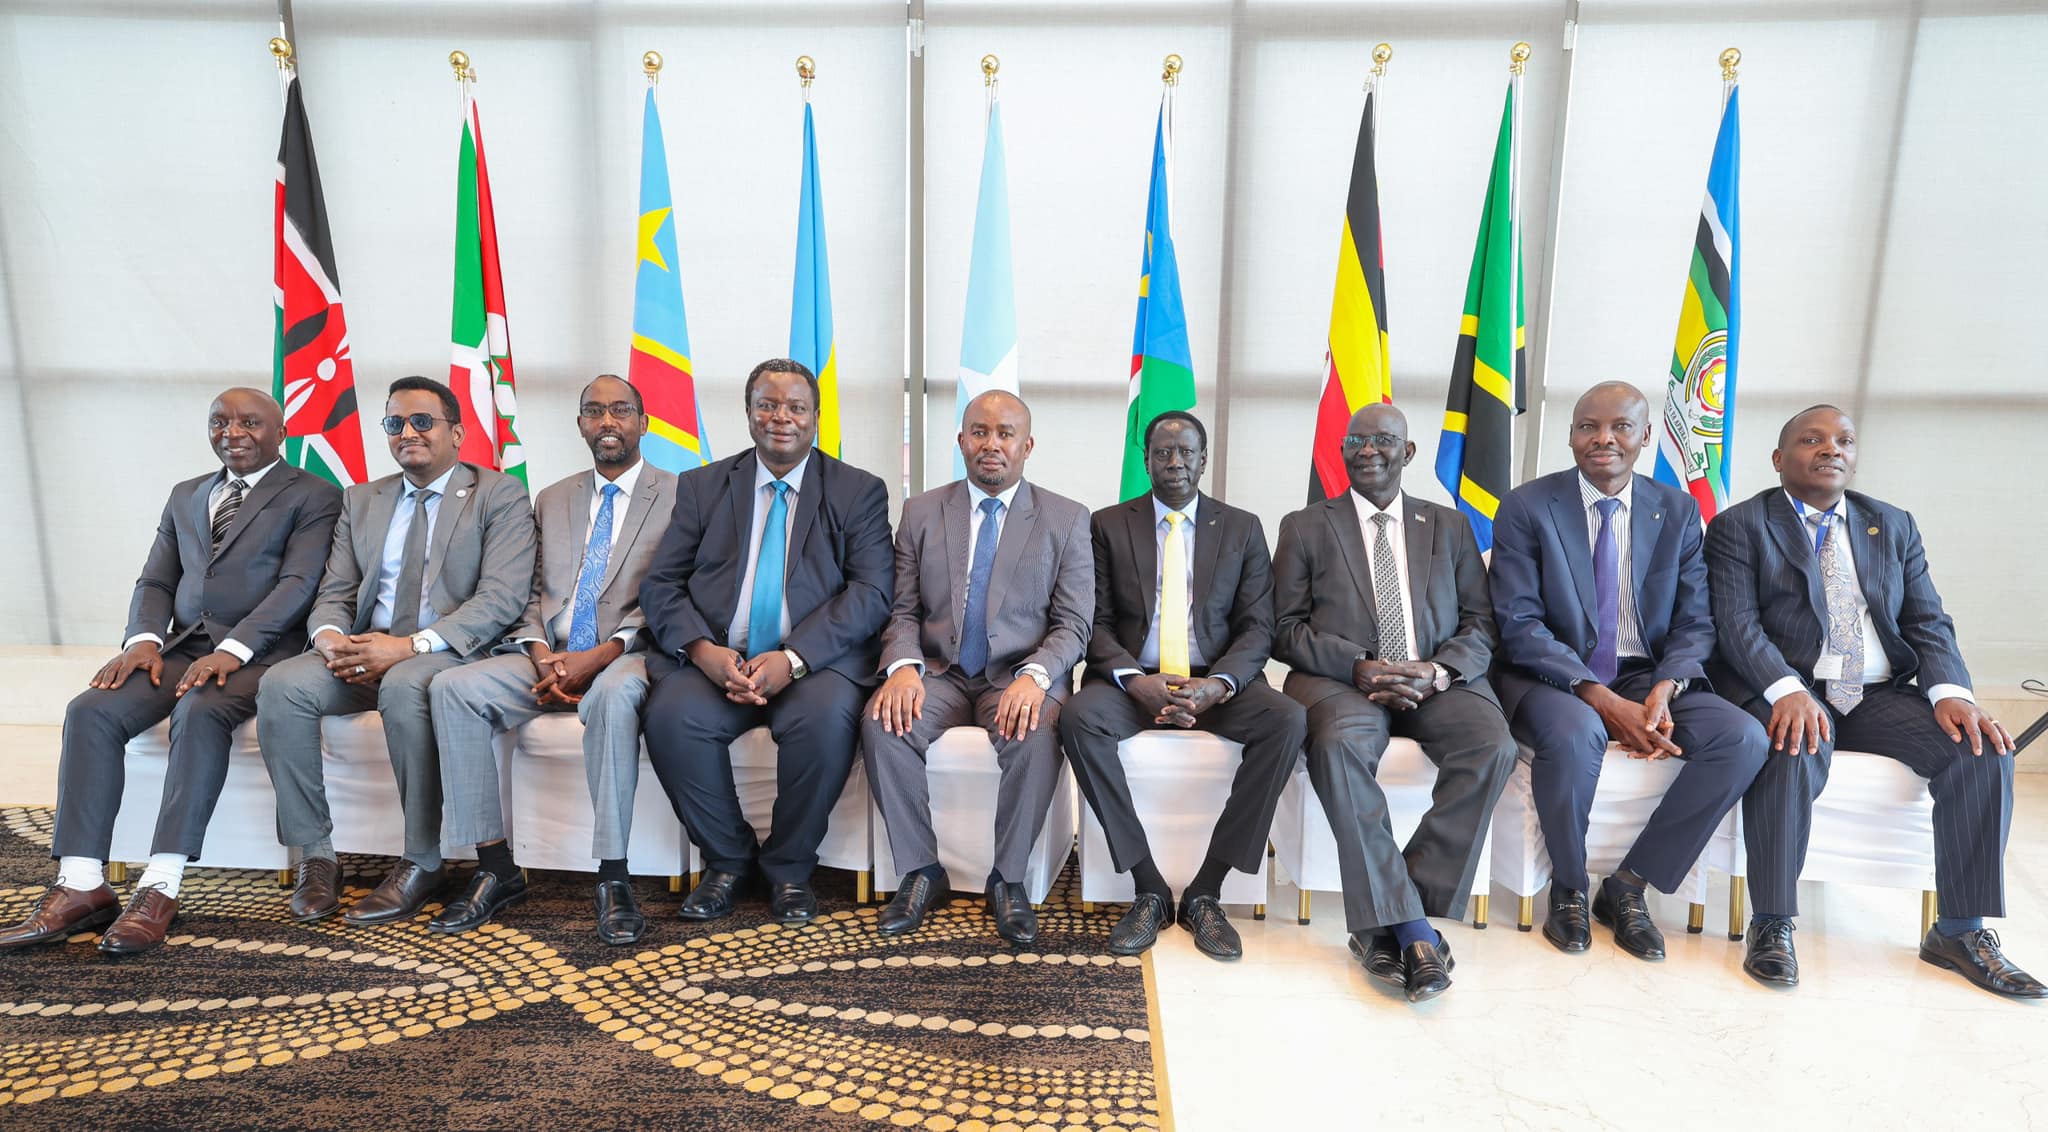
1831	633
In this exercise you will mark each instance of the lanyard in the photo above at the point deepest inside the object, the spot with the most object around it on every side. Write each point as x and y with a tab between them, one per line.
1820	538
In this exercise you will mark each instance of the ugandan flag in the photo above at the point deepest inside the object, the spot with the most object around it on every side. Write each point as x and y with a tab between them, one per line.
481	370
312	376
1356	372
1473	456
1699	402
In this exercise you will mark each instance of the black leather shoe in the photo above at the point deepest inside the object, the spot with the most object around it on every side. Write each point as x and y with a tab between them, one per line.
1203	918
792	903
619	919
401	895
1629	915
1976	957
1139	929
1771	960
1570	926
487	895
1379	955
712	898
1426	969
1015	921
914	897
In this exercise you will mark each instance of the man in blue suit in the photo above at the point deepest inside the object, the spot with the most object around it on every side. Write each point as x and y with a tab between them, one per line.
1831	632
1600	591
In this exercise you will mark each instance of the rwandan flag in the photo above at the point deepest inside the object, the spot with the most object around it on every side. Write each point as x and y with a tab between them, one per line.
810	305
1356	370
1473	456
660	363
481	371
1162	370
988	334
1699	402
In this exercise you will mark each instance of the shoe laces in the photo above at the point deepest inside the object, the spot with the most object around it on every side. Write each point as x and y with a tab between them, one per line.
135	898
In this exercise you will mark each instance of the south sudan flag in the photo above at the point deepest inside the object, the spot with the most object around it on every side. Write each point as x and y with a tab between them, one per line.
1356	372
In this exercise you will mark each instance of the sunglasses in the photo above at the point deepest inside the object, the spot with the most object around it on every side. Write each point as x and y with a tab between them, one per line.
421	423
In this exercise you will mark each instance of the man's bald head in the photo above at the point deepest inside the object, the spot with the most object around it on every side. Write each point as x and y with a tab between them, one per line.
995	439
1376	450
1610	427
245	428
1611	398
1380	417
1000	397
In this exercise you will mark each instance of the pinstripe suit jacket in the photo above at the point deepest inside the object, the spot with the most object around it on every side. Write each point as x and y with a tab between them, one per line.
1771	611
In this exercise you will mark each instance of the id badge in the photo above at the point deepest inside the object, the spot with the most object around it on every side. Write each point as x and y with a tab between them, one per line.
1828	667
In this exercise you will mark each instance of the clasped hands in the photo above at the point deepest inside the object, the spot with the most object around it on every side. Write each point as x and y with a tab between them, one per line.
1175	701
1643	729
1397	685
361	658
743	681
563	677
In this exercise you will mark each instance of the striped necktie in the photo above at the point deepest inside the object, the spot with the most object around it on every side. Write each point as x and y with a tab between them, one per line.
229	508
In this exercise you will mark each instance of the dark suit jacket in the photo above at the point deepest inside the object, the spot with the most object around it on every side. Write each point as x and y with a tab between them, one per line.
1233	588
1323	596
1543	583
840	571
1772	611
258	588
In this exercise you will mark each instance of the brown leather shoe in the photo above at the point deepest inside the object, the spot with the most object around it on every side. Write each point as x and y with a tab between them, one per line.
405	890
142	925
61	914
317	895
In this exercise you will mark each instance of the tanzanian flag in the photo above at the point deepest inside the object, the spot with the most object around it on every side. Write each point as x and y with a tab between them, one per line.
810	305
660	363
1473	456
1699	402
1162	369
481	371
1356	369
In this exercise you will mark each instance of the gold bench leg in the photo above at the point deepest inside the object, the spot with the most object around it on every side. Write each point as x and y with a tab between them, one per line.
861	881
1301	907
1930	907
1695	918
1258	911
675	883
117	872
284	878
1525	917
1088	907
695	876
1738	914
1480	904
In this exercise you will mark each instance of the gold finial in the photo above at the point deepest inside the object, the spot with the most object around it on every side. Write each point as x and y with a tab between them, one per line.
1729	60
806	70
1380	57
1171	76
989	66
1518	56
651	64
459	60
281	50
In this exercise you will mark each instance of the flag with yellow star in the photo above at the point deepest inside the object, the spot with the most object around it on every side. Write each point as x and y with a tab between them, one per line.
660	363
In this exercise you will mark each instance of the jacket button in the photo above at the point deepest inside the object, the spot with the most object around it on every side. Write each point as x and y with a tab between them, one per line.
206	613
209	573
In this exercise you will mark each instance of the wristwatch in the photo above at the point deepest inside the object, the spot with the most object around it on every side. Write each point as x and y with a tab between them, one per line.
421	644
797	668
1037	676
1443	677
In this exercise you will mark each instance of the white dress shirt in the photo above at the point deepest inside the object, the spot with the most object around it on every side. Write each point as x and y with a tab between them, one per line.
393	561
628	480
1628	633
764	497
1397	539
214	499
1877	667
975	496
1148	657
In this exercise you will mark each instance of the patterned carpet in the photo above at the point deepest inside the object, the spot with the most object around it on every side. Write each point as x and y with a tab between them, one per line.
245	1019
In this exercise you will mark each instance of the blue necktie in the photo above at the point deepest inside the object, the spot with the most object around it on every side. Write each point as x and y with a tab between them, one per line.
597	555
1606	594
974	622
764	623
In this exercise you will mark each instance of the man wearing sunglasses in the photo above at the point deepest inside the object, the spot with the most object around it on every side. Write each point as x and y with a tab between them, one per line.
428	569
577	648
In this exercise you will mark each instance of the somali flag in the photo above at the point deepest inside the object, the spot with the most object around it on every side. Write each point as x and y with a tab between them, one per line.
988	337
660	362
1162	369
810	306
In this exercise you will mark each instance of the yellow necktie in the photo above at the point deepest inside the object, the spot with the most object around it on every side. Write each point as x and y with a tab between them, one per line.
1173	600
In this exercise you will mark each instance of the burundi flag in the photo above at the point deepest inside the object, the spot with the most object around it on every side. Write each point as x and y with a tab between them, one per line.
988	335
1699	402
1162	369
660	362
1473	457
1356	372
481	371
810	305
311	373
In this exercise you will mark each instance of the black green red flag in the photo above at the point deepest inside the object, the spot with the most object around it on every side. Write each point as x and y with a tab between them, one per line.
311	374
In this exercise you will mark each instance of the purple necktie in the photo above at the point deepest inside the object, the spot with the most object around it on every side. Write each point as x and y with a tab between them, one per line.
1606	593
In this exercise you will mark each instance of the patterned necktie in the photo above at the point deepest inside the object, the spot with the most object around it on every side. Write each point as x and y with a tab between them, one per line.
597	557
1386	592
1845	621
1173	599
412	568
225	517
1606	595
764	620
974	619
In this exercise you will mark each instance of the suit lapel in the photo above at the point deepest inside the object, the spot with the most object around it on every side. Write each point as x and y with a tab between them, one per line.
1568	513
1421	540
1349	537
630	525
196	507
1645	525
1016	532
1144	541
265	490
370	544
565	522
953	515
808	500
1789	532
453	507
1873	555
1208	548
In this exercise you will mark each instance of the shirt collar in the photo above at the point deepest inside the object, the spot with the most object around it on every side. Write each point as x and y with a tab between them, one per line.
439	486
1590	495
1160	510
228	477
1367	508
1805	513
627	481
795	477
1008	495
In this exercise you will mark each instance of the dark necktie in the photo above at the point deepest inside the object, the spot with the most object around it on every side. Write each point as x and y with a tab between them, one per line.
405	606
597	558
229	507
974	621
1386	592
1606	594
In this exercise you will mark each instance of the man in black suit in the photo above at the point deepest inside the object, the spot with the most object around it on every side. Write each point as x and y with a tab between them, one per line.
1205	564
765	601
1832	634
1600	593
223	593
1383	615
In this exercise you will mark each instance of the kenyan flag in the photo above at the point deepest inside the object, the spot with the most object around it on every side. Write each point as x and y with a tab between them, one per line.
481	372
311	375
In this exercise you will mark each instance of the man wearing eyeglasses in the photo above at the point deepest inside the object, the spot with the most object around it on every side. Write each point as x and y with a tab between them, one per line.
428	569
764	602
1381	601
577	648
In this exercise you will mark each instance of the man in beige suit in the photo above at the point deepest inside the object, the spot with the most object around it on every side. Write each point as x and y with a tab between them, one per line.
578	648
995	598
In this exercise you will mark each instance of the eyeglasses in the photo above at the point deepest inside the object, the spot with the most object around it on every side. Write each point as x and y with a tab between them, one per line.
619	410
1381	440
800	410
421	423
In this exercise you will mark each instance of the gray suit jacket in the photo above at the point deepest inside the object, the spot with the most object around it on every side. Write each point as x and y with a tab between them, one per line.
258	587
1041	594
563	511
479	562
1323	596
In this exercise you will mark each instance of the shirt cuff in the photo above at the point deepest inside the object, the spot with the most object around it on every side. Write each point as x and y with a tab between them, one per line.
891	670
130	642
1118	675
238	650
315	634
1784	687
1227	681
439	645
625	637
1942	692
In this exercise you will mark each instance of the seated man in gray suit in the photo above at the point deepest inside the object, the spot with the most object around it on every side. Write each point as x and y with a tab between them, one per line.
576	649
995	596
429	568
223	593
1383	614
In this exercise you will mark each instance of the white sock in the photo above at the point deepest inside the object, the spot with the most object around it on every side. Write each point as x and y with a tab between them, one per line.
165	870
81	873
